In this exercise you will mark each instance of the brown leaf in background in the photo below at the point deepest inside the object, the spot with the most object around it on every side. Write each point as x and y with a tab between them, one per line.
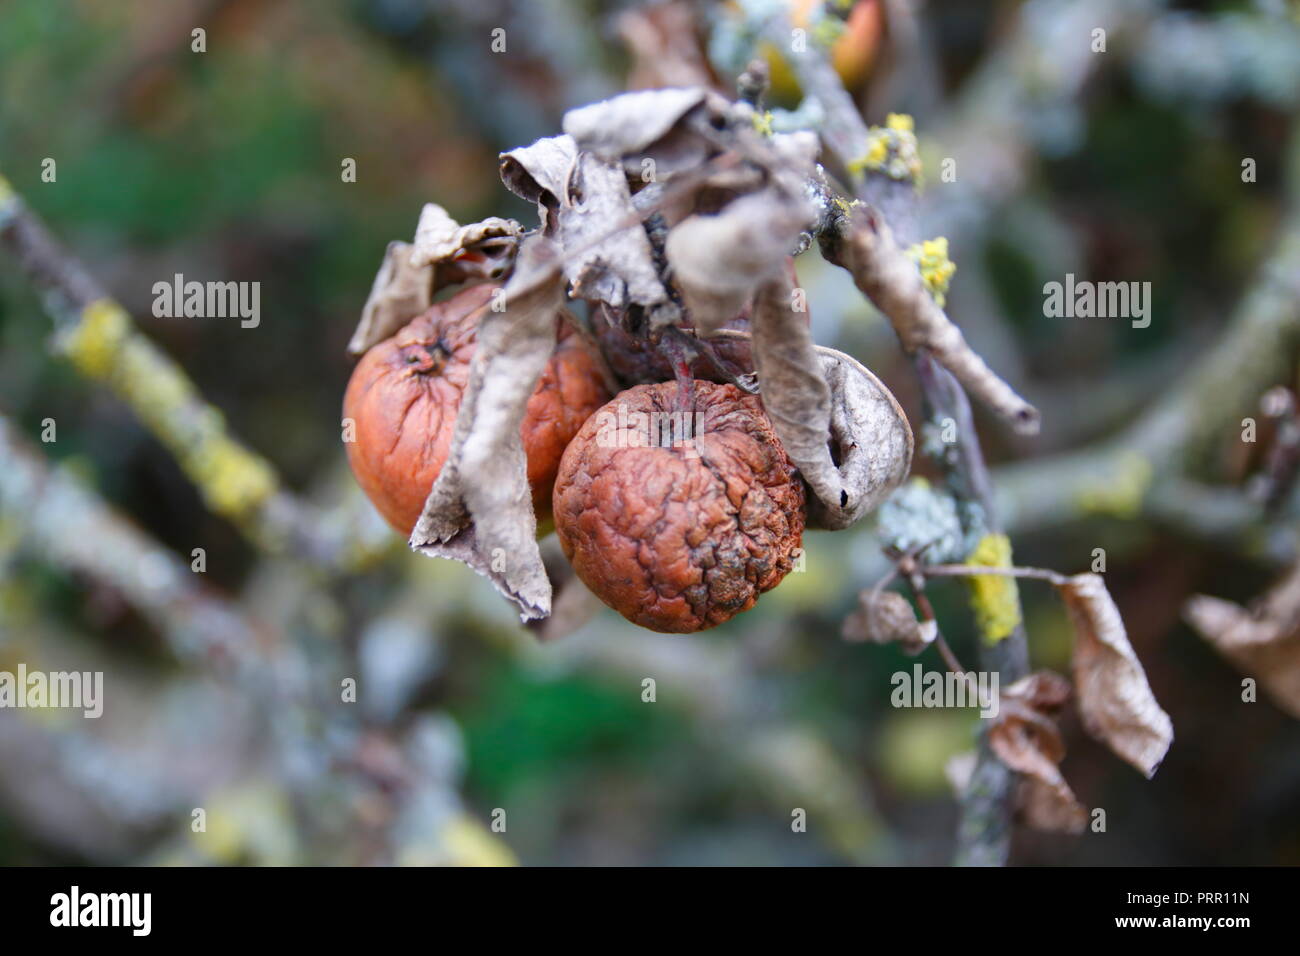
664	46
1263	642
1115	700
1045	806
1044	691
480	509
885	617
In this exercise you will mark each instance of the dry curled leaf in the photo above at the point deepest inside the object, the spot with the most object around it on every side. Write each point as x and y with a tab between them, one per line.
634	122
719	261
1024	736
444	253
795	393
885	617
1041	690
1263	642
481	250
400	292
1115	700
820	399
480	510
587	208
540	174
870	435
603	262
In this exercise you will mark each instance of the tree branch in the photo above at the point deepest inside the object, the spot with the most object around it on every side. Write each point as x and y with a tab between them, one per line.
97	335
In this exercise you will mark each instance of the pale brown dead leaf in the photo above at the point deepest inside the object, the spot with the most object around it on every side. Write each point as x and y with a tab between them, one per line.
540	174
602	262
871	437
1115	700
796	396
634	122
444	253
480	509
1262	642
480	250
719	261
867	428
1043	805
587	208
885	617
400	292
1026	739
1042	690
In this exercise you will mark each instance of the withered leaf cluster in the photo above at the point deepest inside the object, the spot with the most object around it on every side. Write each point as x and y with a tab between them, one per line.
1114	700
661	209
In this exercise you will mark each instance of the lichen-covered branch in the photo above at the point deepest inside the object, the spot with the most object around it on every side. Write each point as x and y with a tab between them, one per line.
864	244
98	336
895	285
944	363
987	804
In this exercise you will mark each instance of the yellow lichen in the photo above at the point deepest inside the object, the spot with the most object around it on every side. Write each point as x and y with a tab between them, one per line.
763	122
96	341
931	257
1120	493
877	152
994	597
233	480
843	206
891	150
104	345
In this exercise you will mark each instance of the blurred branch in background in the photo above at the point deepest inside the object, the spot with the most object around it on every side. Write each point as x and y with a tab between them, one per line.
73	528
1163	464
206	745
97	335
287	683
